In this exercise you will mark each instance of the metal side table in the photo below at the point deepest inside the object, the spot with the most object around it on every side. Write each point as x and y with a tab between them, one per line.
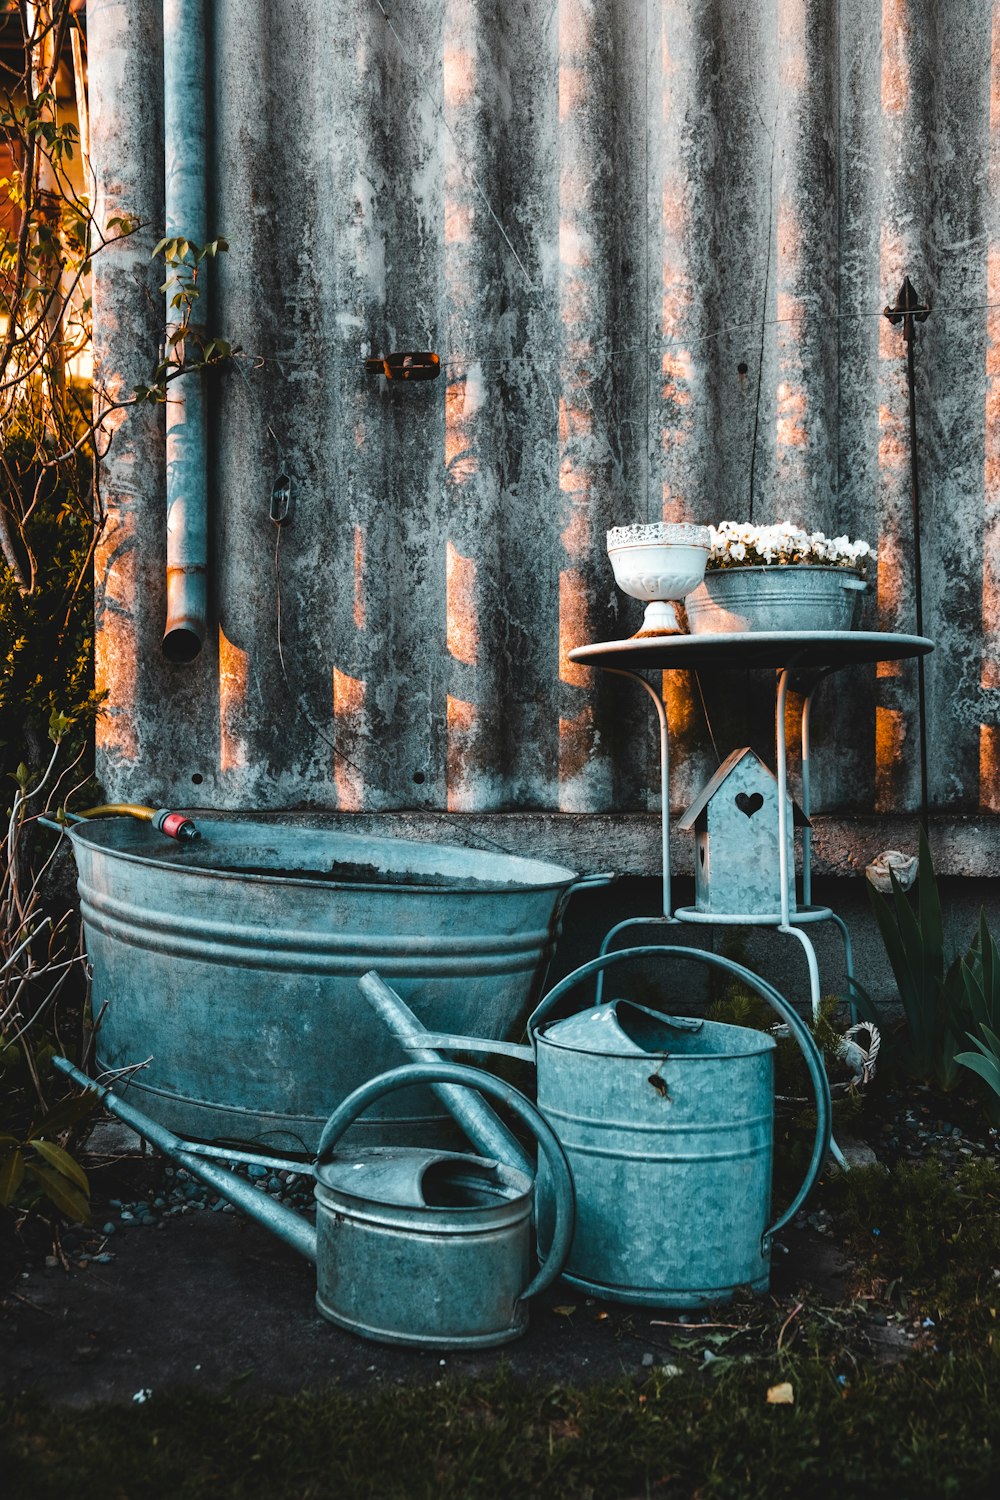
813	653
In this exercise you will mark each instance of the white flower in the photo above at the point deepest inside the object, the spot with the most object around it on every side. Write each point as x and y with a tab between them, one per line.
739	542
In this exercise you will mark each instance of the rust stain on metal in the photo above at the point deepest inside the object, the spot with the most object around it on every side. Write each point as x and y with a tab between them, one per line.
360	612
890	741
577	736
790	429
793	69
573	627
895	61
349	720
677	691
659	309
116	664
989	768
233	677
463	621
462	744
659	1084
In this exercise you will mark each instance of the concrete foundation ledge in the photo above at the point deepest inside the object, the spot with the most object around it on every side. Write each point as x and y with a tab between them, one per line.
629	843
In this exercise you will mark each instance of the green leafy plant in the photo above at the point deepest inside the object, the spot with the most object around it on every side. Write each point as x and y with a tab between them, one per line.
38	1161
931	990
39	957
981	979
51	440
187	347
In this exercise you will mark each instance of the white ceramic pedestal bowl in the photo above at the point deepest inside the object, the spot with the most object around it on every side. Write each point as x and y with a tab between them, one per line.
659	563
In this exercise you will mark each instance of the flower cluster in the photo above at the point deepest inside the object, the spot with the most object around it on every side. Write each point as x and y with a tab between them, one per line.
735	545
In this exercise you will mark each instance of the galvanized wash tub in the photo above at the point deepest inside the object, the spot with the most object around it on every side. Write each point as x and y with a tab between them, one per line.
231	964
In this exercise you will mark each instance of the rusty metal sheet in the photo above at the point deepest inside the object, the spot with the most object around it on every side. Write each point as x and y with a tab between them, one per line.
651	243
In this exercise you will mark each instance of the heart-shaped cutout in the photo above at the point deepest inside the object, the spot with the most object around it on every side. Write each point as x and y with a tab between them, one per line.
749	803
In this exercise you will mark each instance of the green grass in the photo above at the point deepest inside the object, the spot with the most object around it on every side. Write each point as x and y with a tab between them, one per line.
926	1427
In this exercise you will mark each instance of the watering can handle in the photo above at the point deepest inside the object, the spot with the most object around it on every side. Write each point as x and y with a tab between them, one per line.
502	1093
798	1028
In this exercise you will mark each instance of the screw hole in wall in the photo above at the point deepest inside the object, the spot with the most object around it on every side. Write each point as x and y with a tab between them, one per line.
419	778
197	778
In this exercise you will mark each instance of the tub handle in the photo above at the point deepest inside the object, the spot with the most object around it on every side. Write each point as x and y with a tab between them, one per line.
591	882
798	1028
856	585
502	1093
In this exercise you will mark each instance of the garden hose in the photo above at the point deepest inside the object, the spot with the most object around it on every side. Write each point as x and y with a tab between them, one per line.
174	824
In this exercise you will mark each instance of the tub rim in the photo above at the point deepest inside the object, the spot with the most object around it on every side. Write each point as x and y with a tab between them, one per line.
557	877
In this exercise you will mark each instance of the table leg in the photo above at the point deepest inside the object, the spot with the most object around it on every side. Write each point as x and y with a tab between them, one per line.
661	714
781	755
848	962
806	801
811	962
613	932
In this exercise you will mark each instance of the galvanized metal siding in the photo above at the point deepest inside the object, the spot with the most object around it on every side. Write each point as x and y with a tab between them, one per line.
651	242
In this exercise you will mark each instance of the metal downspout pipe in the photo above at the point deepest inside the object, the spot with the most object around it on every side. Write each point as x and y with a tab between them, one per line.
184	130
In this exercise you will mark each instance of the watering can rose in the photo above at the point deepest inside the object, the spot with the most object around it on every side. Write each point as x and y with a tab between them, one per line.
738	544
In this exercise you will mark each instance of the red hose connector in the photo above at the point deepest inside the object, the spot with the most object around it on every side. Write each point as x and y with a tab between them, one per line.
175	825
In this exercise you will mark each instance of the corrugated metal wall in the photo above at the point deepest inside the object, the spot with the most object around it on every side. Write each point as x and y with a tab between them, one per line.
651	241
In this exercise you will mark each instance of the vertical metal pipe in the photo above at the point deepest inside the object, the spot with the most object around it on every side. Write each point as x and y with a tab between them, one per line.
908	310
918	584
806	801
782	768
184	130
661	715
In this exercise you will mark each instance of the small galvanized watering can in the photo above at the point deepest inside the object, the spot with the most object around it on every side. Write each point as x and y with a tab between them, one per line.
426	1247
411	1246
667	1124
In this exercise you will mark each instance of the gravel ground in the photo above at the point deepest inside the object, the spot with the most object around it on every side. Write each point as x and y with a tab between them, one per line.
171	1286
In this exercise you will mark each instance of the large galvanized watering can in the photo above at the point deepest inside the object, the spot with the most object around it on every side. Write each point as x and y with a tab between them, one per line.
411	1245
667	1124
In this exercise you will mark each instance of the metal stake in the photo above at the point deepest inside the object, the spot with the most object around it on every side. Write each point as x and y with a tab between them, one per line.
907	310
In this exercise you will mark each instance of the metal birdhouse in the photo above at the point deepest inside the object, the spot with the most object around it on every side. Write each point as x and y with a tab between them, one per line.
735	824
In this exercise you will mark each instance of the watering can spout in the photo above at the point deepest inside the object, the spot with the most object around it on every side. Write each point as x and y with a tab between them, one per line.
288	1226
481	1124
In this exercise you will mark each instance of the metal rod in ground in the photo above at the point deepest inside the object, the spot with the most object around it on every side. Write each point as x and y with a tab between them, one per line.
908	309
288	1226
481	1124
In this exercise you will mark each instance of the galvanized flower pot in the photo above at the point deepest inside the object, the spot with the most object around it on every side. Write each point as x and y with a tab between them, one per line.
789	597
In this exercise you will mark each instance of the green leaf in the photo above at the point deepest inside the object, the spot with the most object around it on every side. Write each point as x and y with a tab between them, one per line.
67	1198
11	1056
58	725
986	1067
864	1004
69	1111
992	1041
62	1161
11	1173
